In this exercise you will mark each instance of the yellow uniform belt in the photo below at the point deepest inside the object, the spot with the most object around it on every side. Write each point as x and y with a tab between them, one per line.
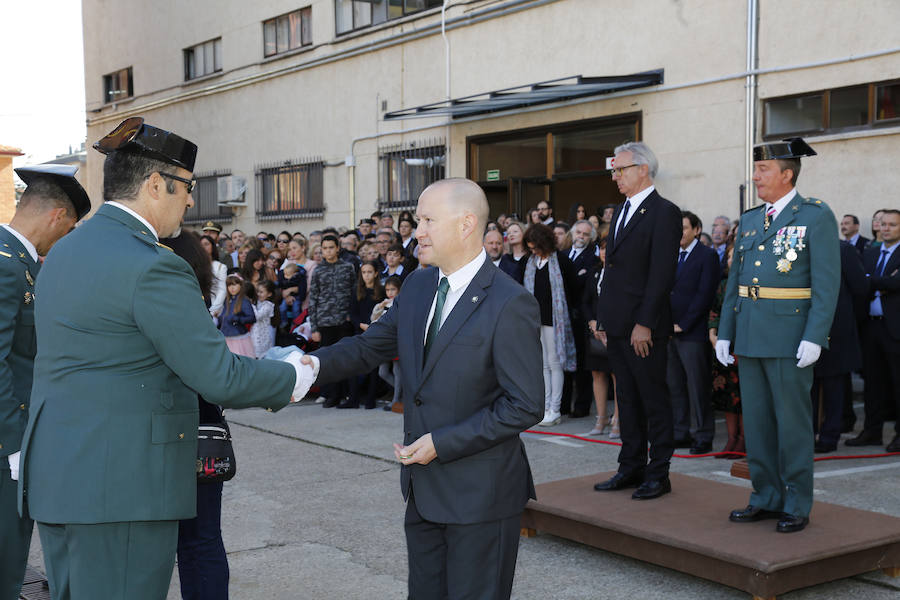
773	293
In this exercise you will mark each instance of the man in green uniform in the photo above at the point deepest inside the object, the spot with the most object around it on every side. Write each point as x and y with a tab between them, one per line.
49	208
125	344
779	303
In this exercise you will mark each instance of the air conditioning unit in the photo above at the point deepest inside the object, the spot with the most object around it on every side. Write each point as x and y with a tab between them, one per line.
231	190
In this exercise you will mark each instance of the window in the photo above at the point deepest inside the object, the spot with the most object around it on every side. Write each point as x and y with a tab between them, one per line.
118	86
407	172
203	59
290	190
856	107
287	32
351	15
206	200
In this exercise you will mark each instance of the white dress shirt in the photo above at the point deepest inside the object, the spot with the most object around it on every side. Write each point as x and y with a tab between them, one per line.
121	206
636	202
688	249
780	204
575	253
459	281
25	242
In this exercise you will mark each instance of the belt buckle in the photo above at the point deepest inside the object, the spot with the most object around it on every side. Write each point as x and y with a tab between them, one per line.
753	292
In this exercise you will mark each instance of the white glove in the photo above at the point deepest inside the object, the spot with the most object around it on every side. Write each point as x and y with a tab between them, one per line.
306	375
14	465
807	353
723	352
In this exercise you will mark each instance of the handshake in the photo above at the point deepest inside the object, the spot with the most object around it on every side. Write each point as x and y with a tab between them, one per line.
307	369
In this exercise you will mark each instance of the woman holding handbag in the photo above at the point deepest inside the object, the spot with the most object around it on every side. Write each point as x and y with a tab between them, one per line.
595	356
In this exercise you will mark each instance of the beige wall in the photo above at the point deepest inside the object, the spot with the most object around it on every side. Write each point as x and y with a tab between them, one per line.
256	112
7	189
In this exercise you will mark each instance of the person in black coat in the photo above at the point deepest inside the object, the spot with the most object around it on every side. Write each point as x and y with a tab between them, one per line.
831	374
581	257
634	308
368	293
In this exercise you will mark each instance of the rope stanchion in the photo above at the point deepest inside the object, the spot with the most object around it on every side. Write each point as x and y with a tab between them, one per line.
708	454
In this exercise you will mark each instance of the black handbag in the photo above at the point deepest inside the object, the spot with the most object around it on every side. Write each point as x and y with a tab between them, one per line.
595	347
215	454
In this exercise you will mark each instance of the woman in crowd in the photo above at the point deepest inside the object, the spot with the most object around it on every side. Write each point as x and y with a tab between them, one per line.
513	263
534	217
876	227
219	273
237	317
202	562
577	213
546	276
598	361
253	269
726	390
245	248
368	293
273	261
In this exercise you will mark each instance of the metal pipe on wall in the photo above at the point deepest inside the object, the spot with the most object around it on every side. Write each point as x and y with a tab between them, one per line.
750	99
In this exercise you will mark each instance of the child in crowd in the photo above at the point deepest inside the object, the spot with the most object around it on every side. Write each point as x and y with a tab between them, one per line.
391	289
237	317
292	281
362	302
263	331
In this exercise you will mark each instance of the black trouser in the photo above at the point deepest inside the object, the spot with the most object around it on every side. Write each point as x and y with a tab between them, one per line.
645	412
202	564
882	368
472	561
834	389
330	336
688	377
581	379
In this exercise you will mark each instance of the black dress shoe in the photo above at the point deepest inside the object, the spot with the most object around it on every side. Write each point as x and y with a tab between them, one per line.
865	438
894	446
825	447
348	404
330	403
652	489
619	482
791	523
751	514
685	443
701	448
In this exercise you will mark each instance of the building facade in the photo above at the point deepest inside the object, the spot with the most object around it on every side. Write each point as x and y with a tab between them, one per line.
314	112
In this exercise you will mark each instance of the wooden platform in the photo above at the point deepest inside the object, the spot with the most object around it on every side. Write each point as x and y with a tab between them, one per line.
689	531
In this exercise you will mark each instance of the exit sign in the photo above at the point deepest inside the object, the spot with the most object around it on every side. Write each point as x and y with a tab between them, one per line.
493	175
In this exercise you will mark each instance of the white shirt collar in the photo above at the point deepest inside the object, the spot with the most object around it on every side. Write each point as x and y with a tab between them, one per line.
640	197
781	203
131	212
853	238
25	242
547	221
689	248
889	249
461	278
575	252
496	262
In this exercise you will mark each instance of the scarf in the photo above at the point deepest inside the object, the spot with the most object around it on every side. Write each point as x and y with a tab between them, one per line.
562	326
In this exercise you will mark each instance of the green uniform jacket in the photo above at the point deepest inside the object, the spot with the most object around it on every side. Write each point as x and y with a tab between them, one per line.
17	340
773	328
125	344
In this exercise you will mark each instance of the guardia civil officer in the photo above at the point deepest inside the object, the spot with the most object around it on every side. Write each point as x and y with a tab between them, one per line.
776	315
48	209
125	344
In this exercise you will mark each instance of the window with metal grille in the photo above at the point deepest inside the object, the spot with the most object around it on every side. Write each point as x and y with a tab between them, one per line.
203	59
206	201
287	32
291	190
118	86
407	171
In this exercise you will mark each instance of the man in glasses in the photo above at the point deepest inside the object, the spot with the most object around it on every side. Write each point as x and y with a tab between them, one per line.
109	453
51	205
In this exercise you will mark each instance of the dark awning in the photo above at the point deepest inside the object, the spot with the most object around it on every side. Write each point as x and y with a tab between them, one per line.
556	90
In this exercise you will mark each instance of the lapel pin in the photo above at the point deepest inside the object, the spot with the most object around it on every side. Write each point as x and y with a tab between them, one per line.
474	299
21	255
643	210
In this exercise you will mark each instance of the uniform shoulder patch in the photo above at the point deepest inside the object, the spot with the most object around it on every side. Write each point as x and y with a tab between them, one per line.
6	254
814	202
749	210
161	245
146	237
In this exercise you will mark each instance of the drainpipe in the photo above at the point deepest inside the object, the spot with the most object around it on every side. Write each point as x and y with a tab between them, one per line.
750	100
447	74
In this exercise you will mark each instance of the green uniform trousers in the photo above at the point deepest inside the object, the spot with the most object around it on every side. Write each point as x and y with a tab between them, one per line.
113	561
15	537
779	434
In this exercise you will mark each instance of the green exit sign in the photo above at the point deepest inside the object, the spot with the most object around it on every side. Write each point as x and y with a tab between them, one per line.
493	175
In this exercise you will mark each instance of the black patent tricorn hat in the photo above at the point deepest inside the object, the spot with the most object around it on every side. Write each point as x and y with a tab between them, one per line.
789	148
133	135
64	177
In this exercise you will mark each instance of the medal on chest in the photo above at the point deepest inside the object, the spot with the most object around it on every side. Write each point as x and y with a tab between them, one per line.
788	242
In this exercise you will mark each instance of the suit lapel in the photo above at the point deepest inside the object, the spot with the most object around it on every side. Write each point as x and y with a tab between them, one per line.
645	207
893	262
420	316
468	302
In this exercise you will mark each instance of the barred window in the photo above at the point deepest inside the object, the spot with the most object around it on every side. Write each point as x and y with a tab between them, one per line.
407	171
206	200
291	190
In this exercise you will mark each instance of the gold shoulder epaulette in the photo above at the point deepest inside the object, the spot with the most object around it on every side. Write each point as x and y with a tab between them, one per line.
6	254
161	245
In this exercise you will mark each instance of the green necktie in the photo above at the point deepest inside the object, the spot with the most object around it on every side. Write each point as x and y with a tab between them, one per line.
435	325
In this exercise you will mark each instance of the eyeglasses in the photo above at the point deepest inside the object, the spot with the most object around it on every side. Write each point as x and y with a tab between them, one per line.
618	170
189	183
283	241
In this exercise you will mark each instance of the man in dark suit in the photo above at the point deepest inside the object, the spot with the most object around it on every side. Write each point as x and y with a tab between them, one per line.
49	208
582	258
881	345
468	343
850	233
688	374
636	320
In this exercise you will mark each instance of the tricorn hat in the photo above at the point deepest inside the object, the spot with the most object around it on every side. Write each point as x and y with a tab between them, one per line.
133	135
64	177
793	147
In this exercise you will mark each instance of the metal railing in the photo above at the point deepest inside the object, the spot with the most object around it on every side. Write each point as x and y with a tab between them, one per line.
406	170
290	190
206	200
